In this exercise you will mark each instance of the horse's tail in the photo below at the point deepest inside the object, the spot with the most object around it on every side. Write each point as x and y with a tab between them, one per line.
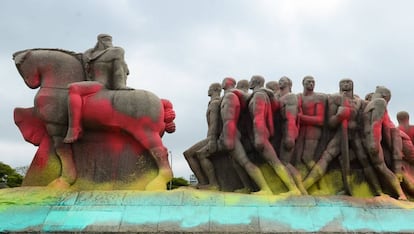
169	116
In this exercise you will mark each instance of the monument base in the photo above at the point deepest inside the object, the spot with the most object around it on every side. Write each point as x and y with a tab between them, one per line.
186	210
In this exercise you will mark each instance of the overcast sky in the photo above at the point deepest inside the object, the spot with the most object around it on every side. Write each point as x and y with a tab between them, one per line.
176	49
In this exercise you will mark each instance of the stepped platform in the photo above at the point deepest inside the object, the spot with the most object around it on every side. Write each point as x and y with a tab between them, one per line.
186	210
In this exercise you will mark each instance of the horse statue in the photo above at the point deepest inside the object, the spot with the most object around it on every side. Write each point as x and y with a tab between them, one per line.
139	113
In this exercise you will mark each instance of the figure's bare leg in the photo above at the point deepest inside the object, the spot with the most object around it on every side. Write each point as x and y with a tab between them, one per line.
389	175
308	157
271	157
208	168
332	150
191	157
392	178
74	120
258	178
318	170
76	93
377	158
369	172
248	187
297	178
239	155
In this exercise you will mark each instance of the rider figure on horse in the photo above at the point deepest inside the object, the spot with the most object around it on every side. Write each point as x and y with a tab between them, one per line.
105	67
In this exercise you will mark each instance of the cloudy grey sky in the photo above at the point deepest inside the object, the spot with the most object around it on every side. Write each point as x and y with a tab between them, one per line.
178	48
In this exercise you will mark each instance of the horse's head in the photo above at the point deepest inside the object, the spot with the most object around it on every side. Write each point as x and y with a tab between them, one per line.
27	69
52	68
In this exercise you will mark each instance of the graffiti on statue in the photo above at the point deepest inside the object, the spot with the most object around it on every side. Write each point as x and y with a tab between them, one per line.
92	131
271	141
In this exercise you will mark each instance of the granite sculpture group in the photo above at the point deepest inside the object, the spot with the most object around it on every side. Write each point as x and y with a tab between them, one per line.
271	141
92	131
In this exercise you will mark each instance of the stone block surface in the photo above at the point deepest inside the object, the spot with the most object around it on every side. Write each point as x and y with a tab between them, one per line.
39	210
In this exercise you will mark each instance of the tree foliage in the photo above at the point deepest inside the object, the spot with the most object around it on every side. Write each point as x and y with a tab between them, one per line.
14	179
177	182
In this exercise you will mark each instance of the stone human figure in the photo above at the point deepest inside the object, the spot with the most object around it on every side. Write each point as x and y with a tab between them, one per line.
378	126
407	135
230	109
274	86
202	167
289	112
403	119
261	112
243	85
344	117
105	67
311	119
368	97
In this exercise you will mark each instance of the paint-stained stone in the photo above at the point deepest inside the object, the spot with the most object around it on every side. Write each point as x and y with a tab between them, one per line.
188	218
326	218
83	218
22	218
237	199
396	220
203	198
234	219
142	218
285	219
167	198
37	210
359	220
34	195
68	199
299	201
100	198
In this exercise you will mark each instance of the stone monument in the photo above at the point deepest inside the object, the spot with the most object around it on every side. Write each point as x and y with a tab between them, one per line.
92	131
267	164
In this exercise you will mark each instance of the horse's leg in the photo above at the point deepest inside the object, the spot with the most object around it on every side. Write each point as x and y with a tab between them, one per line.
151	140
68	168
165	174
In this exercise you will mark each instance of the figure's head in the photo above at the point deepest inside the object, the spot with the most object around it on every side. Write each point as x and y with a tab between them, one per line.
285	83
308	83
228	83
273	85
243	85
403	117
215	88
256	82
368	97
104	41
382	92
346	84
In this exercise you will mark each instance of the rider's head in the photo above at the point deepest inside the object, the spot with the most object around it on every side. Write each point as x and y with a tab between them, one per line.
104	41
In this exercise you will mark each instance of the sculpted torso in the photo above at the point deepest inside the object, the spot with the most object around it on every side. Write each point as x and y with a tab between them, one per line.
105	66
311	118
